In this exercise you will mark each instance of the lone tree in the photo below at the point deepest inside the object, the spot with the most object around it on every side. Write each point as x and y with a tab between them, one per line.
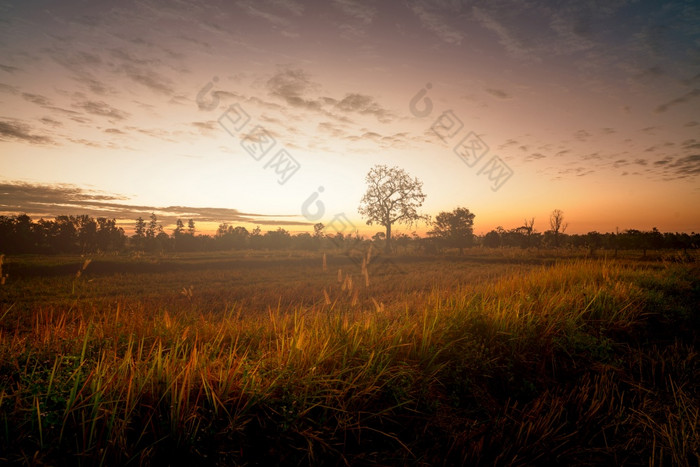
454	228
392	197
556	222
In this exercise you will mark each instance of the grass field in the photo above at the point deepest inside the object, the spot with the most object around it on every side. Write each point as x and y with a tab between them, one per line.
497	357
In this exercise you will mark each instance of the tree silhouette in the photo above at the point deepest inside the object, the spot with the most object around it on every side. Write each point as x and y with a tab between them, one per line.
392	197
153	227
556	222
140	228
179	228
492	239
454	228
109	236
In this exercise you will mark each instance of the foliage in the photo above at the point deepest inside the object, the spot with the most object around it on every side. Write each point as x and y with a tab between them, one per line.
454	229
86	235
392	196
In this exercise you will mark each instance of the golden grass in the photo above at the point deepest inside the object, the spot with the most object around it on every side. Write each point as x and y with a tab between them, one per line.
548	366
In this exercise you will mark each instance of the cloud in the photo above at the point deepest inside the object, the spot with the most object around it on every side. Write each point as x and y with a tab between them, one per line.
21	132
291	86
534	157
499	93
101	109
365	105
204	127
157	133
149	78
396	140
361	12
8	89
508	143
437	24
678	100
582	135
294	87
64	199
573	30
8	68
85	142
691	145
74	61
507	36
686	166
223	95
94	85
292	6
580	171
36	99
126	56
673	168
256	12
50	122
332	129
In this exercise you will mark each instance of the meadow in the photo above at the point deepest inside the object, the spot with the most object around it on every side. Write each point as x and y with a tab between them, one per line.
497	357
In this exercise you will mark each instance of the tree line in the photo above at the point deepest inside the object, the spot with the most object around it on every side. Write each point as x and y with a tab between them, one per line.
451	232
392	197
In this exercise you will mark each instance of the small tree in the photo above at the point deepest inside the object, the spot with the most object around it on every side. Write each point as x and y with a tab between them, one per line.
190	227
454	228
179	228
153	227
392	197
492	239
556	222
140	228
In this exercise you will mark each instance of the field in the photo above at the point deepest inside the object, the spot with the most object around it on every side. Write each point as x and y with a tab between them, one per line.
497	357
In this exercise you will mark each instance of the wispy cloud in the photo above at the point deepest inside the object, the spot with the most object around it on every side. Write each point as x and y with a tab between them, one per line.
8	68
37	99
150	79
437	21
499	93
688	166
64	199
206	127
534	157
8	89
291	85
507	36
357	10
365	105
384	141
18	131
678	100
101	109
50	122
295	87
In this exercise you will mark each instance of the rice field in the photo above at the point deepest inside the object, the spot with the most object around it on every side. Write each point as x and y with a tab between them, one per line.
254	358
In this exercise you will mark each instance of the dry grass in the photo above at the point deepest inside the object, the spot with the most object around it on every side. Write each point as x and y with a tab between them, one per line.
573	363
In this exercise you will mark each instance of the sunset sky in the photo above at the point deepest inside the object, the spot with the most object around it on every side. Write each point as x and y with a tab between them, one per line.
241	111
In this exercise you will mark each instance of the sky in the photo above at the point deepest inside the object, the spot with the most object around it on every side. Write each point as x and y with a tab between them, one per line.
270	113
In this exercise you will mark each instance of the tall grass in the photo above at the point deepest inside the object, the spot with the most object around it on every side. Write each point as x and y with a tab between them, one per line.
557	365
